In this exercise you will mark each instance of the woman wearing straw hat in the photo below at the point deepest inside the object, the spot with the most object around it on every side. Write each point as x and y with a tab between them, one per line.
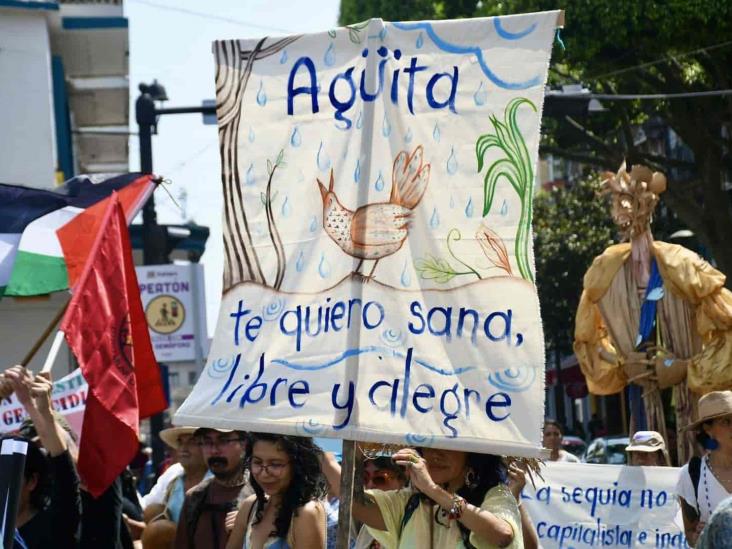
704	483
163	504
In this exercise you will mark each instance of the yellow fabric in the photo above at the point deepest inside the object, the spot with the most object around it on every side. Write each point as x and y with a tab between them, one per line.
686	276
415	535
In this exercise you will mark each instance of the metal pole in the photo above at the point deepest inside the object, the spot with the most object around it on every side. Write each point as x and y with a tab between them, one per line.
154	245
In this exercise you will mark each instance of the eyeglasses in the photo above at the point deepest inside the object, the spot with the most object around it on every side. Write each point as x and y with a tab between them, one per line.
273	469
220	443
379	479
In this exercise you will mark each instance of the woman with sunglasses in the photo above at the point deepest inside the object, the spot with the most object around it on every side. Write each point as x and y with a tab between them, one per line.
286	511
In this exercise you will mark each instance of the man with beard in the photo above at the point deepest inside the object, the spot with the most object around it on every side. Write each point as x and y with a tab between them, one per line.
202	520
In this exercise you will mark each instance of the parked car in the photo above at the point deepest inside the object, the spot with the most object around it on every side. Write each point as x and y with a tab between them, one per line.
607	450
574	445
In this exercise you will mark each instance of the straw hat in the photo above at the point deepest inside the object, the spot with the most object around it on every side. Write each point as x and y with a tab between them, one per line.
170	435
713	405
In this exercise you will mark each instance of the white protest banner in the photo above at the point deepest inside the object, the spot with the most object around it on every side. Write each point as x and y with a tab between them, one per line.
168	294
585	505
378	283
68	397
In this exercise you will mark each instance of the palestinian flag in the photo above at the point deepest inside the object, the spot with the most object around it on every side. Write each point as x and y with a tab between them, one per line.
45	236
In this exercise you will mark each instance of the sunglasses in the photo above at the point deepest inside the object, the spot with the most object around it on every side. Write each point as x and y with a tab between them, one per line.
379	479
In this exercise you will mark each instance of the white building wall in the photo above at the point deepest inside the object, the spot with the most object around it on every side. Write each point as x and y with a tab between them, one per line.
27	127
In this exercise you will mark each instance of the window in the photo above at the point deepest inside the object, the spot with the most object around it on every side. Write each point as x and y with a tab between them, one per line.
192	378
174	379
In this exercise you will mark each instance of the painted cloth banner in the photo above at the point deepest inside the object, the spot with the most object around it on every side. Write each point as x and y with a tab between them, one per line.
585	505
379	280
68	398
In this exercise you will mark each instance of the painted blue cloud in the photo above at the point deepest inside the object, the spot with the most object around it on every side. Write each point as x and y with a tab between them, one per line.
469	50
508	35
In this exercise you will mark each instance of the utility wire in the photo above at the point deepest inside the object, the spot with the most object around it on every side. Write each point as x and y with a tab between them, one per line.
212	17
641	96
661	60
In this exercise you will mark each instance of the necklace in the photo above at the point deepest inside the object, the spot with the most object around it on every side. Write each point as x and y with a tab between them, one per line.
706	487
723	482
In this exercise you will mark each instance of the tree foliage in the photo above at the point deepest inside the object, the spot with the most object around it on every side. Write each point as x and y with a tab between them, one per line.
632	47
571	226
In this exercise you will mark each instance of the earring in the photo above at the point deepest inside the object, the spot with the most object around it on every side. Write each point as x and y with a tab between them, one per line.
711	444
471	479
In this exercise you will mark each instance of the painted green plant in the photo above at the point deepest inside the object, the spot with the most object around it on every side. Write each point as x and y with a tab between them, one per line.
439	269
515	167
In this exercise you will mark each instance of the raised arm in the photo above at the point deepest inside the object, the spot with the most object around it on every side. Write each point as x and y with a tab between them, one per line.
481	522
363	507
34	393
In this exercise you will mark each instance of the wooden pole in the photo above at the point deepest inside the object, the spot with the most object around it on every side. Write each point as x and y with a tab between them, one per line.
344	507
42	339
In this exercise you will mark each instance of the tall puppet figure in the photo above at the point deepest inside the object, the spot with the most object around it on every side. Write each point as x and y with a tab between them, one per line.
652	315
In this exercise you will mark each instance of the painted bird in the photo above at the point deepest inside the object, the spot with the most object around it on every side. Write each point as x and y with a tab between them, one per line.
377	230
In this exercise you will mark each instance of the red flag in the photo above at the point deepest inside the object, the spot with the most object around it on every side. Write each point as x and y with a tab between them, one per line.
106	330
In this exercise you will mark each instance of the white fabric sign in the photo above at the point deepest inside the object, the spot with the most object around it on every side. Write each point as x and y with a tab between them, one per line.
68	397
379	280
585	505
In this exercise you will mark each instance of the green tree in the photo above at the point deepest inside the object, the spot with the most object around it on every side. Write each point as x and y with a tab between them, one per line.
571	226
632	47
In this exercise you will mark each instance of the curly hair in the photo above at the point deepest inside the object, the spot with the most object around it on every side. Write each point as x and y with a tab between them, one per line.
308	482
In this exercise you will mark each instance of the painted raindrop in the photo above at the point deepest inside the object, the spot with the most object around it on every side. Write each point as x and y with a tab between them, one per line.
286	208
296	138
452	201
249	179
406	278
313	224
436	133
379	184
329	57
251	134
481	95
469	208
504	208
299	264
283	57
382	34
420	41
452	164
359	121
261	95
357	171
385	127
408	137
322	158
435	219
323	267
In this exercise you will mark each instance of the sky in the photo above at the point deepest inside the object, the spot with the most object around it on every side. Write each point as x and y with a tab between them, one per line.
170	40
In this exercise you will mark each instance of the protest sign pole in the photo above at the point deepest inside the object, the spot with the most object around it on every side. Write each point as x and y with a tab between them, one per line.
12	464
344	516
42	339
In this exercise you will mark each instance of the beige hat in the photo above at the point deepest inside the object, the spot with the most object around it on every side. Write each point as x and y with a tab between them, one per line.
713	405
170	435
646	441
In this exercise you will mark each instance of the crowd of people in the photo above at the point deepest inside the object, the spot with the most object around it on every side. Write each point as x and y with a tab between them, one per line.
227	489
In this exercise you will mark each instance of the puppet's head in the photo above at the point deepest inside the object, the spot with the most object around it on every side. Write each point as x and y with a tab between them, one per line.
634	197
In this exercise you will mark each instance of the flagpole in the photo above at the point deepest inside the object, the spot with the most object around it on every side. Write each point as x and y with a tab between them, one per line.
53	353
42	339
